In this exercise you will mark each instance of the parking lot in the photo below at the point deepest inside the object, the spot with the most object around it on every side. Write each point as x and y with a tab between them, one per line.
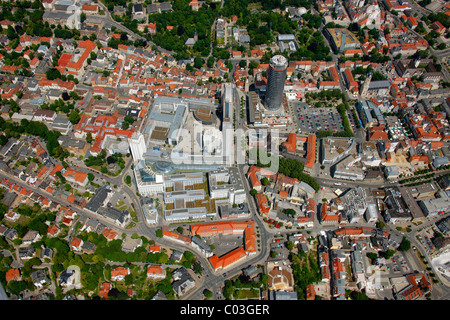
224	243
398	264
311	120
425	239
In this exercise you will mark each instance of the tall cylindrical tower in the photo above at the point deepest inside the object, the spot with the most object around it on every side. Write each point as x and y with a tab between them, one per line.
275	82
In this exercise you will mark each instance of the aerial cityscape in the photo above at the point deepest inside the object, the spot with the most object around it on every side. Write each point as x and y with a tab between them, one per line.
226	150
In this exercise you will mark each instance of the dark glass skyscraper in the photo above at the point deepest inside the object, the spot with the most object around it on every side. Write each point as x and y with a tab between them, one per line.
275	82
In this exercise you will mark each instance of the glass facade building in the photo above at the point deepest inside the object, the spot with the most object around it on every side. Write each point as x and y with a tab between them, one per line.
275	82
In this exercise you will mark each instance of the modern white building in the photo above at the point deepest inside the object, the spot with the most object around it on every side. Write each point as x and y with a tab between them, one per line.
185	214
301	190
137	146
180	181
227	184
62	124
185	196
147	181
391	172
150	213
358	268
229	102
371	214
369	154
355	204
211	141
433	207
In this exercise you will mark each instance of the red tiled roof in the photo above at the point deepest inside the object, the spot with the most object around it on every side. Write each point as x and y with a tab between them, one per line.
88	46
377	135
263	204
120	271
311	154
88	7
76	242
64	60
154	248
52	230
69	85
104	290
12	274
78	176
352	231
109	234
155	270
291	142
227	259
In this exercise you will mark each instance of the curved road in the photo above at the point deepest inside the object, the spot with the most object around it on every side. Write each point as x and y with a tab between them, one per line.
109	20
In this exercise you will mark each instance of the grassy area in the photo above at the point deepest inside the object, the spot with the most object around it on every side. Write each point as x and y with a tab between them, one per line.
252	6
306	270
98	168
123	207
131	225
246	293
120	203
404	229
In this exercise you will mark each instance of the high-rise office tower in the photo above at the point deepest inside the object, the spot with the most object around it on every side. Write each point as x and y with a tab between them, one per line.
275	82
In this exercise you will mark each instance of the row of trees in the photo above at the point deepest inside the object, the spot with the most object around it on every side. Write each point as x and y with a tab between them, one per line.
347	132
329	95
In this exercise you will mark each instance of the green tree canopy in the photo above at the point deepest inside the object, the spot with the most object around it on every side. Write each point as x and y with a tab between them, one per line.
405	245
